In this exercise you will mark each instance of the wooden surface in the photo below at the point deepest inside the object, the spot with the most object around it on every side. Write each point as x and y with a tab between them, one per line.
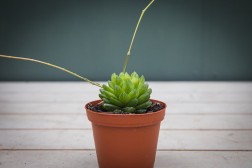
207	125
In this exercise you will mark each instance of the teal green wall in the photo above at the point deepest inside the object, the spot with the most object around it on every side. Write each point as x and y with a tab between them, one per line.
177	39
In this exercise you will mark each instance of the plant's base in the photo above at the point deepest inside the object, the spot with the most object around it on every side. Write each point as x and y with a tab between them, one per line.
98	108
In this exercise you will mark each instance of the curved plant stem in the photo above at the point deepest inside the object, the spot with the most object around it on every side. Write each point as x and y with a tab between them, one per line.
52	65
133	37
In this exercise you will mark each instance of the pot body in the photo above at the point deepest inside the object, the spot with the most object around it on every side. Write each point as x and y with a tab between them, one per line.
126	140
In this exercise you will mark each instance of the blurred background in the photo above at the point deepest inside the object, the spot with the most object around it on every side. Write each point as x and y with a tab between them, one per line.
178	40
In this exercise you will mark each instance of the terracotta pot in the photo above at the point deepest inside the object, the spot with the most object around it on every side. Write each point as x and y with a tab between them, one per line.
126	140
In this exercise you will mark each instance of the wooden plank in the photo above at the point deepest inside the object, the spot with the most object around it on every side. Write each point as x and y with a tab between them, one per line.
202	159
197	122
45	139
83	139
42	108
48	159
201	122
46	87
87	159
210	108
164	96
48	97
44	122
173	108
203	97
201	87
171	87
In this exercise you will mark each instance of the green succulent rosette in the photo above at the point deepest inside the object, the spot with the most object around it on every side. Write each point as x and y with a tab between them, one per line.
126	94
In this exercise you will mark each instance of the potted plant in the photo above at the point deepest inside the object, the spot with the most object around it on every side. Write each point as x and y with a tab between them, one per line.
125	120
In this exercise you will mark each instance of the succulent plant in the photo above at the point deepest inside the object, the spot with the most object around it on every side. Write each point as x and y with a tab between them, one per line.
126	94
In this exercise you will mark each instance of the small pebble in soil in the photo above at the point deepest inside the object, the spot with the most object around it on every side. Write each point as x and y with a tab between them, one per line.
153	108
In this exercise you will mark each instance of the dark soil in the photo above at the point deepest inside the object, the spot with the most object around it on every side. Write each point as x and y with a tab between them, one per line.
153	108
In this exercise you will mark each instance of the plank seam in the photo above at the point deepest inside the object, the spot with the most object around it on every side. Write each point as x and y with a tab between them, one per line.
89	129
160	150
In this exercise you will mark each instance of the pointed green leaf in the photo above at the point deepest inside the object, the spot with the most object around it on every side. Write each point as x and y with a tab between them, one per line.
141	111
113	77
105	100
115	102
149	90
129	109
107	88
111	84
145	105
118	80
107	94
134	74
121	75
117	90
132	103
143	88
127	76
133	94
124	98
143	98
102	96
142	79
110	107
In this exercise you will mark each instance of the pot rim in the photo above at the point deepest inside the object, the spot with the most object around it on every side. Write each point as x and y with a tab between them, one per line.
125	120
